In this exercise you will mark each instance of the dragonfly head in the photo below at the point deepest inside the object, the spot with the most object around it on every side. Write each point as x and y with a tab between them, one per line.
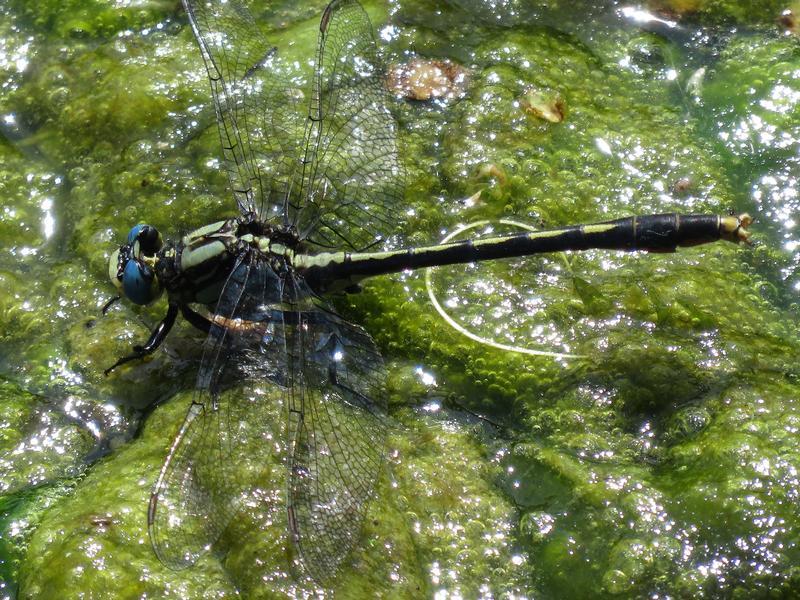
132	267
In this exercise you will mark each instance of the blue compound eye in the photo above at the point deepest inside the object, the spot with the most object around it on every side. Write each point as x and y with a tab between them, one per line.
140	283
134	232
148	237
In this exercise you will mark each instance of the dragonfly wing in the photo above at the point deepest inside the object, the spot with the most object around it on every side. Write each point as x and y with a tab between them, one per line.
337	429
256	106
352	181
220	453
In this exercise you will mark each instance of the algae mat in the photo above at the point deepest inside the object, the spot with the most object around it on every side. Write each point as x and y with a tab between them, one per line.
664	463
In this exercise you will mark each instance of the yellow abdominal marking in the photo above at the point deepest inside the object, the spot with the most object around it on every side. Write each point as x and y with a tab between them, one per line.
550	233
323	259
277	248
598	228
304	261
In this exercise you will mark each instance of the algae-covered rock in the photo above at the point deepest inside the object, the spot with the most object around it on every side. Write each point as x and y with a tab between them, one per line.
436	495
42	441
754	92
659	460
753	110
97	537
623	146
20	516
747	12
90	19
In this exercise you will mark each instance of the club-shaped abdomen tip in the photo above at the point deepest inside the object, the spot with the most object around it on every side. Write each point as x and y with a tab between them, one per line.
734	228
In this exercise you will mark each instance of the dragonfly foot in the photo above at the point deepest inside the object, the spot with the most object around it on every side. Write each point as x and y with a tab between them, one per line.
138	354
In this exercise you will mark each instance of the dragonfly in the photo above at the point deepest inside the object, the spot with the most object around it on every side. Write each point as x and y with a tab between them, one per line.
318	183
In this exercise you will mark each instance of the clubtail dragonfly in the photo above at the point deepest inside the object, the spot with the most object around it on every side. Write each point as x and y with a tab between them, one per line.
312	210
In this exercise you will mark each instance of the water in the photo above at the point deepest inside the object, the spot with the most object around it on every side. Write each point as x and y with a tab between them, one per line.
662	464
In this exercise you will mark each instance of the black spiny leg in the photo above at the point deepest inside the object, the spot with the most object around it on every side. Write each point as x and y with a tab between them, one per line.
157	336
195	319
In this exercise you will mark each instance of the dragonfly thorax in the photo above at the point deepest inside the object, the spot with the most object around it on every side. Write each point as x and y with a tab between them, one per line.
194	269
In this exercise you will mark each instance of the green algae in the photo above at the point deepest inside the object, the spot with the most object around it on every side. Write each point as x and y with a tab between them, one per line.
20	516
38	445
748	12
80	19
761	105
756	129
98	535
664	462
437	492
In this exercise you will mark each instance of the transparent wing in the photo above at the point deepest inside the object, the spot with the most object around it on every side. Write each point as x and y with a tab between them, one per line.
348	188
352	181
269	329
337	430
221	452
259	123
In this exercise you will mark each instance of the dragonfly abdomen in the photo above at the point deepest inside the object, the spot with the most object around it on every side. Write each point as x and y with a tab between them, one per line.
652	233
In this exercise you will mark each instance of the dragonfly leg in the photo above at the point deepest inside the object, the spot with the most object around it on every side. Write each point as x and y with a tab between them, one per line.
108	304
195	318
157	336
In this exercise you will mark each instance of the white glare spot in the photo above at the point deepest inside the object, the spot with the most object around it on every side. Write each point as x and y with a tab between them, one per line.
389	33
426	378
639	15
48	220
432	407
603	146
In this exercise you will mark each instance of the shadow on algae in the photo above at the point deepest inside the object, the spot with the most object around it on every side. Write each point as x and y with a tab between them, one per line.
663	463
